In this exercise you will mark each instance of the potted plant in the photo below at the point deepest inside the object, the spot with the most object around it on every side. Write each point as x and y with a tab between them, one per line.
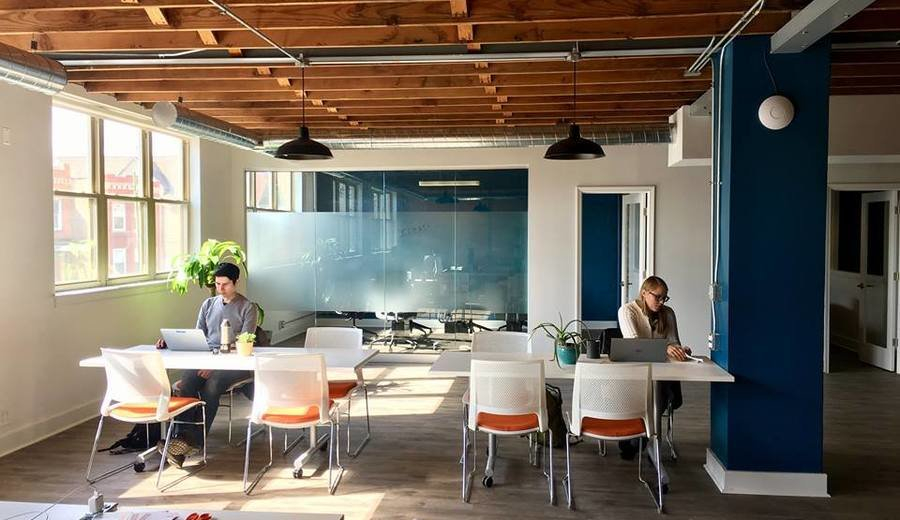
566	343
199	267
245	343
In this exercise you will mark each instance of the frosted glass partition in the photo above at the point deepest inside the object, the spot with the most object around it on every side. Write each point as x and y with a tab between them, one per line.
429	245
282	259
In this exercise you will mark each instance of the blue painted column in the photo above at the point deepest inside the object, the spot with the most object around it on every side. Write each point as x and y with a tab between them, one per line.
772	263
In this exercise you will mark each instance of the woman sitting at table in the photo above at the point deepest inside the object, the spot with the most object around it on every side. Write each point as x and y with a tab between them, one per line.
649	317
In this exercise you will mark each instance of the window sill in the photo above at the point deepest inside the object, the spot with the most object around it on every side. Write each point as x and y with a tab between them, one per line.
77	296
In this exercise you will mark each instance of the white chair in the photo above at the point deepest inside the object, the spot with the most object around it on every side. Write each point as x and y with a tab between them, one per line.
237	385
292	393
350	338
138	392
500	342
507	398
612	402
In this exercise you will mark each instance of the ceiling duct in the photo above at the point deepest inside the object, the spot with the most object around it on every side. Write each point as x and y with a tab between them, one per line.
482	137
206	127
31	71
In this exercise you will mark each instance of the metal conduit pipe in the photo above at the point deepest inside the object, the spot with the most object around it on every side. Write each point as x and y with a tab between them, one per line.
484	138
31	71
201	126
412	59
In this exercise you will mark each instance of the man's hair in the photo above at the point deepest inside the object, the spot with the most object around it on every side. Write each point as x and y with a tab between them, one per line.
226	269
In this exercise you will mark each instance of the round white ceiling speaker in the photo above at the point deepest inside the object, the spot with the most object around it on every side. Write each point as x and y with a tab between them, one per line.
164	114
776	112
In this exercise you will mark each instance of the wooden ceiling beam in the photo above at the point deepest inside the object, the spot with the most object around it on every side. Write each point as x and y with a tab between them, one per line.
363	14
544	121
560	114
489	84
156	16
73	5
636	28
419	105
410	111
286	96
208	38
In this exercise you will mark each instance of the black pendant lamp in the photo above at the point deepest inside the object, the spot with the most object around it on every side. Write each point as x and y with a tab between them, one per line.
574	147
303	148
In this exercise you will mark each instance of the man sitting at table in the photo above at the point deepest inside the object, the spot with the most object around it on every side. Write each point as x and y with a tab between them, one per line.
241	313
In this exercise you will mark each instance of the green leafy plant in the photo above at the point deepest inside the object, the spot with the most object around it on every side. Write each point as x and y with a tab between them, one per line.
562	336
198	268
246	337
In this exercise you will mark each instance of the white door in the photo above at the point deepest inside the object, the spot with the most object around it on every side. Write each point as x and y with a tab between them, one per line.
877	288
634	244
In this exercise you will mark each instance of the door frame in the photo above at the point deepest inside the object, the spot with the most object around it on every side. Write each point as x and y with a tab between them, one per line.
580	191
892	289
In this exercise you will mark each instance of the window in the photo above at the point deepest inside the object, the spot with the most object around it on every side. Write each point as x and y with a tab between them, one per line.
272	191
57	215
117	216
137	187
119	263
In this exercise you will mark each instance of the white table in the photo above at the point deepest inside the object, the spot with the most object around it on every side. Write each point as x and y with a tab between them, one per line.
336	360
21	510
456	364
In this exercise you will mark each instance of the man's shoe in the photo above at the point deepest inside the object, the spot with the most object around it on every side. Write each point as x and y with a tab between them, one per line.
177	446
627	452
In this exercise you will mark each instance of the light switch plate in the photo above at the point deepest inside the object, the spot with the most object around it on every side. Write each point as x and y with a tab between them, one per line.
7	136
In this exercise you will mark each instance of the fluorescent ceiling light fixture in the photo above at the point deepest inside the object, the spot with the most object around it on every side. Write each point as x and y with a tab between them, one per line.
469	199
449	184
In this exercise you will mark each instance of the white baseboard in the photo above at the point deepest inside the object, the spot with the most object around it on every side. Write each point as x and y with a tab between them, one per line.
36	432
770	483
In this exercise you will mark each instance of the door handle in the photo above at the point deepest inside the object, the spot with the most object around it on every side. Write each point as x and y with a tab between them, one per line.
860	286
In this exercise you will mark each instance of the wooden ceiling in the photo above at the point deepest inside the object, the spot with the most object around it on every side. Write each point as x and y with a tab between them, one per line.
265	99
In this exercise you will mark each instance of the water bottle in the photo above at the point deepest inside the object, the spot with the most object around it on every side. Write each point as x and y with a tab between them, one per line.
226	338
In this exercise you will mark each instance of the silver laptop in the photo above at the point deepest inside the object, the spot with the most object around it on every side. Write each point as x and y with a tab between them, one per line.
191	340
638	350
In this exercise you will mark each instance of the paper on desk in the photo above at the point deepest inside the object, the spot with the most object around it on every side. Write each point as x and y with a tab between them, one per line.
154	515
694	359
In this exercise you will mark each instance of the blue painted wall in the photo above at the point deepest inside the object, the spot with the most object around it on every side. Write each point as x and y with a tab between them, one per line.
601	228
772	266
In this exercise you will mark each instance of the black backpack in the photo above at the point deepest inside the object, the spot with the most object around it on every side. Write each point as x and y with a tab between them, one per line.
555	417
136	440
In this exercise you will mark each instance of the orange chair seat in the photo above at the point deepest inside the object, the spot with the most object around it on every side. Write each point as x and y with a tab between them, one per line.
293	415
138	411
340	389
612	427
507	423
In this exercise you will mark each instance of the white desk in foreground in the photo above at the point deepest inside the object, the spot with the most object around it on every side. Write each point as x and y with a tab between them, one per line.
456	364
25	510
335	358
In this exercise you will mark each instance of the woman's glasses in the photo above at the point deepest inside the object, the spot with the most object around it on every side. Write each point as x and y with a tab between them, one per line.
661	298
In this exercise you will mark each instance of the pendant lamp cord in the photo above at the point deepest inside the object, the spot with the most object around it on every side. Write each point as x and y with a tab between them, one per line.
303	91
574	88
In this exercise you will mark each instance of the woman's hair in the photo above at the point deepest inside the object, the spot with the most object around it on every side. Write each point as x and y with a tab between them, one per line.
658	320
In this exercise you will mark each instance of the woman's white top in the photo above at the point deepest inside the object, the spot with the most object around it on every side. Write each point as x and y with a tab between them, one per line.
635	324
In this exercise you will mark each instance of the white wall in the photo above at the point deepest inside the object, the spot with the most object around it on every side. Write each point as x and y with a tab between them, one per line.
42	390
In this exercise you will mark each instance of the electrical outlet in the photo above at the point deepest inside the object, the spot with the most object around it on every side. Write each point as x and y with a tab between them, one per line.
6	136
4	417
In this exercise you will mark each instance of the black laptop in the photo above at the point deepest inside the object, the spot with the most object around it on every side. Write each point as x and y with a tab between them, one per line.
638	350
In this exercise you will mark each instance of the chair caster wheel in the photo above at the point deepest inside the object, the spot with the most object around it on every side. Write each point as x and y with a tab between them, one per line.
298	473
138	467
487	482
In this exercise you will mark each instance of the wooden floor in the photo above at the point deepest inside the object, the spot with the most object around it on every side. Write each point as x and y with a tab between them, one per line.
410	469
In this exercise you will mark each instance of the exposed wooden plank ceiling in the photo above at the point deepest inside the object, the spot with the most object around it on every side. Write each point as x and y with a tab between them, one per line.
265	98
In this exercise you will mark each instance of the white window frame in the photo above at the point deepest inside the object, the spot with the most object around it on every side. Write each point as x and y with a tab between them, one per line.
101	201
